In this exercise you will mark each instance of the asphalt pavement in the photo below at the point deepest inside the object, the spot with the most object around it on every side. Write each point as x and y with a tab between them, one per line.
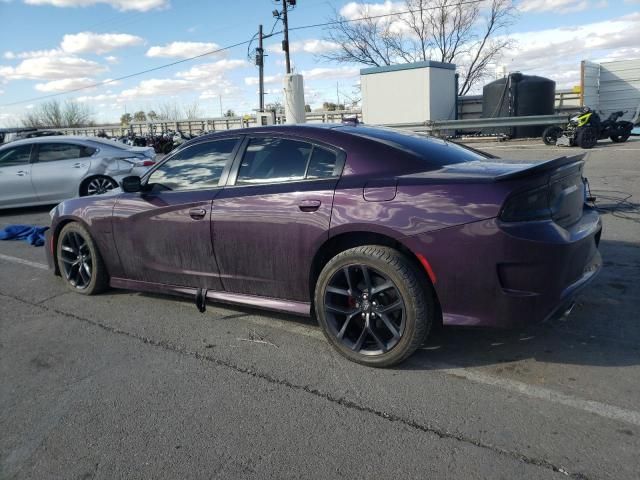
131	385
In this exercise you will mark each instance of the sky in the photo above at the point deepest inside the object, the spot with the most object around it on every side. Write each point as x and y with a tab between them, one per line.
53	46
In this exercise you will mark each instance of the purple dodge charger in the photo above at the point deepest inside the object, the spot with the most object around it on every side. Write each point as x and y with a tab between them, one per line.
381	233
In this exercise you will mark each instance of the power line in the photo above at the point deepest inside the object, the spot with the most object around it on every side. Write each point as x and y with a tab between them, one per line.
246	42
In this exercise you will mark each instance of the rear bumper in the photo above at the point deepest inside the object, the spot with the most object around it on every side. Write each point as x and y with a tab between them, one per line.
498	275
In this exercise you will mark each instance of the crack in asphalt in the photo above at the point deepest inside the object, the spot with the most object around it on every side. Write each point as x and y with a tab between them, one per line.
346	403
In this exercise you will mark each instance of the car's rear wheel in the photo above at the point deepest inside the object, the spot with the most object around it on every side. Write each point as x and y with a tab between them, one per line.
97	186
79	261
373	305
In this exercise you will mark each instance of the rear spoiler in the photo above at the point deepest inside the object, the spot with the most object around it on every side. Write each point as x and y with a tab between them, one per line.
542	167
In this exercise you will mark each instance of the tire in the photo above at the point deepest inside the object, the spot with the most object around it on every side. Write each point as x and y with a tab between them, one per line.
586	138
88	277
97	186
386	326
550	135
620	138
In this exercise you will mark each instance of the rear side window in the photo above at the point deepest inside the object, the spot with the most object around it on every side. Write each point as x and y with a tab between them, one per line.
52	152
15	156
322	163
272	160
196	167
434	152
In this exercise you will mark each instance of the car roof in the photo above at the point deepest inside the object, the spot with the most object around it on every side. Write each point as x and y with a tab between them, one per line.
65	138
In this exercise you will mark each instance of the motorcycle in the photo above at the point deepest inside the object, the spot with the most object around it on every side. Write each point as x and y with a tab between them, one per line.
586	128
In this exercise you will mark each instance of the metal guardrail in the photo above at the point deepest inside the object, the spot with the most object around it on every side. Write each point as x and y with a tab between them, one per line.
480	123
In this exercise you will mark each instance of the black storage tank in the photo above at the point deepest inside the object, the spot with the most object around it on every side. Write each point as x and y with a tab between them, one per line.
519	95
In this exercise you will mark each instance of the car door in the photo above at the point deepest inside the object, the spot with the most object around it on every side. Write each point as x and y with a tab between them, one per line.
15	176
273	214
163	234
59	168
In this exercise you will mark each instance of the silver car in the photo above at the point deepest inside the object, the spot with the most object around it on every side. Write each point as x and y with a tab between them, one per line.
47	170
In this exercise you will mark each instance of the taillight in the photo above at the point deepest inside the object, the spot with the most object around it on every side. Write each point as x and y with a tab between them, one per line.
528	205
148	163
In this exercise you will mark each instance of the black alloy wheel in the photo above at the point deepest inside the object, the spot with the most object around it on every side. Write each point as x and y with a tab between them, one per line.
374	305
364	310
79	261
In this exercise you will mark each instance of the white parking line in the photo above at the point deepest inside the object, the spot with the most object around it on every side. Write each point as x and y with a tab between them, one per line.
21	261
601	409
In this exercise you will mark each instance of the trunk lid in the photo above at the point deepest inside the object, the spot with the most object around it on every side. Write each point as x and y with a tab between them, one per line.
560	179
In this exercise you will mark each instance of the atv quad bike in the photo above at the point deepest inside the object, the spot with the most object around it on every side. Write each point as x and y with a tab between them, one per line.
586	128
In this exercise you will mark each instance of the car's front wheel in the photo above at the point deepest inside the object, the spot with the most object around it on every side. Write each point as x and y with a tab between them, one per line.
79	261
97	186
373	305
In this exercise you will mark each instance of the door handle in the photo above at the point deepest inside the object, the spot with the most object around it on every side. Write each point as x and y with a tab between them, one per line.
309	205
78	165
22	173
197	213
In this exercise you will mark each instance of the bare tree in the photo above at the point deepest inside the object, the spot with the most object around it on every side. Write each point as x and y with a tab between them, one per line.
169	112
467	34
192	110
59	115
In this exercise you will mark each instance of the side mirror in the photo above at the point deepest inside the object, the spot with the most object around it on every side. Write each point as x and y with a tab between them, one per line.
131	184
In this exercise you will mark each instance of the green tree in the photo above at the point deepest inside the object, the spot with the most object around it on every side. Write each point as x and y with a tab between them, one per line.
229	113
152	115
307	108
125	119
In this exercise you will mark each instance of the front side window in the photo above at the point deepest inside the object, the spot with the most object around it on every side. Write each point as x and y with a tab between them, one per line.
52	152
15	156
196	167
271	160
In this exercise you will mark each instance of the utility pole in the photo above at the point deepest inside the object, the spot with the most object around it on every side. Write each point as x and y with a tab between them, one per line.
260	63
285	42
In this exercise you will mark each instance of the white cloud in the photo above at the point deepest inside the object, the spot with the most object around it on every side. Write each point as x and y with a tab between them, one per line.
99	43
181	49
560	6
111	59
64	84
52	68
55	52
556	53
157	87
353	10
211	71
97	98
331	73
314	46
267	79
140	5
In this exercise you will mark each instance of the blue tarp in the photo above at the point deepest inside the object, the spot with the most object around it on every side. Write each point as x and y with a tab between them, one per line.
32	234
